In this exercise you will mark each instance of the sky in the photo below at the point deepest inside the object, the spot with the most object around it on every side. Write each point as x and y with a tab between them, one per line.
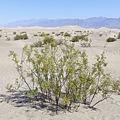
15	10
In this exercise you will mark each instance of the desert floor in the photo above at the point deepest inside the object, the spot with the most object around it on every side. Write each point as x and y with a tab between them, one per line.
13	109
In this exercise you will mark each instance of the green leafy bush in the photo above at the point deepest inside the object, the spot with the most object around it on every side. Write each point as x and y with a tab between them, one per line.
62	75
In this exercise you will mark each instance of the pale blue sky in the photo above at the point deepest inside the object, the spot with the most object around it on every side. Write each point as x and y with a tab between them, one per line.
14	10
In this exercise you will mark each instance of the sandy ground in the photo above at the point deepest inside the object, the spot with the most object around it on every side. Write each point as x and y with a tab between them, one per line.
12	109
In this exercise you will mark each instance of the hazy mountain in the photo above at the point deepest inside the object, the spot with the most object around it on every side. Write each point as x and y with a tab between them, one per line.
95	22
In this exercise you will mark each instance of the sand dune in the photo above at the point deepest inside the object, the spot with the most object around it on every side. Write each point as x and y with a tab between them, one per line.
11	110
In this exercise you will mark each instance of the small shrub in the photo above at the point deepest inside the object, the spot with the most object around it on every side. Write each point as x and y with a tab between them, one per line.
23	32
100	35
59	42
14	33
48	39
35	35
0	35
57	34
8	39
24	36
67	35
86	42
61	32
75	39
44	34
19	37
110	39
53	32
37	44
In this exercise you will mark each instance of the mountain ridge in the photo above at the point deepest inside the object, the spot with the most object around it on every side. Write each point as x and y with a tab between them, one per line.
93	22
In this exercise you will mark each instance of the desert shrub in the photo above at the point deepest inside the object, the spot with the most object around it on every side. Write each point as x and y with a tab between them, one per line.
35	35
37	44
0	35
19	37
44	34
57	34
62	79
78	38
67	35
82	36
110	39
23	32
53	32
61	32
48	39
59	42
78	31
118	37
14	33
8	39
100	35
75	39
86	42
25	36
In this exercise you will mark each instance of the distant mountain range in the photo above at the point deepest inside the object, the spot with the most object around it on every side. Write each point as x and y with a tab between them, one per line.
94	22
